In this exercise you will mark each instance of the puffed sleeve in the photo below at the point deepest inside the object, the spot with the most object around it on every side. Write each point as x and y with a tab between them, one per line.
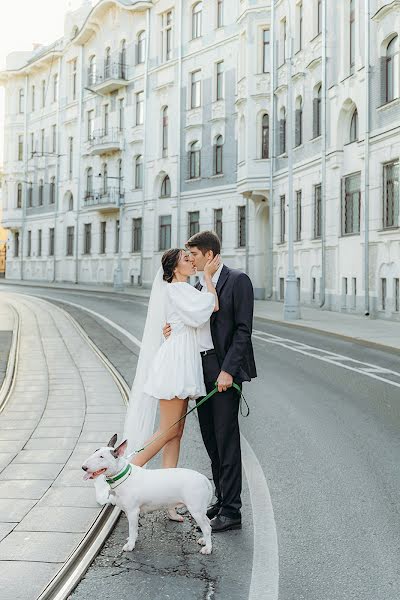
194	307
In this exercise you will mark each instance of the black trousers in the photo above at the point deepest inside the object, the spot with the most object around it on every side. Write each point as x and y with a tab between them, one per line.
219	427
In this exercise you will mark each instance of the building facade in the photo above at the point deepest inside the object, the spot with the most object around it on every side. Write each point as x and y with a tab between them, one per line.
3	233
149	121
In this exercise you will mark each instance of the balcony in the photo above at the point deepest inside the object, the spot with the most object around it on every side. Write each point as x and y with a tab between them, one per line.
113	76
104	201
104	141
12	218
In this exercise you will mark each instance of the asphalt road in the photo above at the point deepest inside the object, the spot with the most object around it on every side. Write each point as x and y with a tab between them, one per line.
324	425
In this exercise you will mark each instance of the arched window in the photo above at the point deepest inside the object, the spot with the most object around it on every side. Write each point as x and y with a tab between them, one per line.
52	198
30	195
196	20
21	100
165	131
141	47
165	187
139	172
19	195
218	156
282	131
71	202
89	182
122	60
265	137
354	127
107	64
40	192
299	122
392	69
194	160
92	70
317	112
104	175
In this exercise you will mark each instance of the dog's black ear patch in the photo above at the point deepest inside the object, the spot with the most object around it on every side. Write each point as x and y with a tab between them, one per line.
113	441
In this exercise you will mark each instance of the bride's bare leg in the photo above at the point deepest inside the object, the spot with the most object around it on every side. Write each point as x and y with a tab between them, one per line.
170	457
170	412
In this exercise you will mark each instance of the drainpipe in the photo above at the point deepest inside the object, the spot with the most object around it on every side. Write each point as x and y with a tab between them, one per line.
323	162
146	79
78	154
56	191
270	262
179	170
24	204
366	159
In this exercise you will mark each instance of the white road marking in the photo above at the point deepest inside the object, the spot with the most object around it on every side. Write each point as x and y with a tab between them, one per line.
265	570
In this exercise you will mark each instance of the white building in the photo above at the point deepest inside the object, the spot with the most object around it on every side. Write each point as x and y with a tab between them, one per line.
160	116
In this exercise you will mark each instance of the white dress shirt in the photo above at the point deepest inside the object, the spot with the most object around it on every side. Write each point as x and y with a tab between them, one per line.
204	332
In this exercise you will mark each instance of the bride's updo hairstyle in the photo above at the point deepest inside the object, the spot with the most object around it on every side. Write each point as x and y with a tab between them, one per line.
169	263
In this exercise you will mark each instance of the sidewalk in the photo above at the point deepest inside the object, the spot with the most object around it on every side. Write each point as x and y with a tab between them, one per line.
6	332
64	405
375	332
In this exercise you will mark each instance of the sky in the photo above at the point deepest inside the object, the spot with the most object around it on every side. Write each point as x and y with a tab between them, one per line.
24	23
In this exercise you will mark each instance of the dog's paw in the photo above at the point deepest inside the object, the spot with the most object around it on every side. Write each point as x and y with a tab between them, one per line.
129	546
201	541
205	550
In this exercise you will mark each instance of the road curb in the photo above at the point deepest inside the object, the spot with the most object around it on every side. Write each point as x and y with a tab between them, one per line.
9	379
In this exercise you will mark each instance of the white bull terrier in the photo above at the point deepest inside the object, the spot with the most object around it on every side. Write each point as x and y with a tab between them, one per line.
136	490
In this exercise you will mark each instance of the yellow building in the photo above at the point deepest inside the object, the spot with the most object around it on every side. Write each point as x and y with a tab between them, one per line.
3	234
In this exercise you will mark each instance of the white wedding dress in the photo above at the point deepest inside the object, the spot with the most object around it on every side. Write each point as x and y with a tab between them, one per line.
176	371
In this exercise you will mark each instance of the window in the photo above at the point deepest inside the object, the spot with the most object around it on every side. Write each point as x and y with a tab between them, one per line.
298	139
71	202
120	177
87	240
265	137
19	195
396	294
317	211
218	155
352	40
29	245
106	118
42	141
74	78
70	156
317	120
219	92
218	223
103	237
351	204
136	235
220	13
30	195
314	289
196	20
354	282
89	182
139	108
392	70
282	219
383	292
165	233
283	40
121	114
33	98
32	144
55	87
139	172
141	47
300	26
104	176
265	56
107	64
193	223
70	240
281	288
43	93
39	248
298	216
194	160
165	131
391	194
122	60
16	244
241	226
92	71
166	35
21	101
54	138
20	147
319	16
282	132
354	126
51	241
117	236
52	196
195	95
90	124
165	187
40	201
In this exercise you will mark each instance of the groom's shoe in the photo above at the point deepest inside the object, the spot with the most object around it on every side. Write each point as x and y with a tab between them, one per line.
213	510
222	523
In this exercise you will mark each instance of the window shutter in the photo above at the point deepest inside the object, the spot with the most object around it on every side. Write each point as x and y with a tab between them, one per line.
315	117
297	128
383	80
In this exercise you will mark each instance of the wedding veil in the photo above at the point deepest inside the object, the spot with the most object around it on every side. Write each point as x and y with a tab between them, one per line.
142	409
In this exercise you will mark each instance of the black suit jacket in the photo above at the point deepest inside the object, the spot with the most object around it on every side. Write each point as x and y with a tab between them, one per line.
232	324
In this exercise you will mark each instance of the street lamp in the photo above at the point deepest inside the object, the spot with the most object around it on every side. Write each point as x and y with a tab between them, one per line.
118	281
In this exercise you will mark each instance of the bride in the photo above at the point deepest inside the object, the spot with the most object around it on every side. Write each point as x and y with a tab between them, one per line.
169	372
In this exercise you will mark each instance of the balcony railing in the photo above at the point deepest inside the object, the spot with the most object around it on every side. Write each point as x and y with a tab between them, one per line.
111	77
104	200
105	140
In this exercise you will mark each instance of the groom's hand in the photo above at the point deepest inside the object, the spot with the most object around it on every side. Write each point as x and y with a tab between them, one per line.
224	381
167	330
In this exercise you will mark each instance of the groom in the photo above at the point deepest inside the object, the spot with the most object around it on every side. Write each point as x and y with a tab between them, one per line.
227	356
